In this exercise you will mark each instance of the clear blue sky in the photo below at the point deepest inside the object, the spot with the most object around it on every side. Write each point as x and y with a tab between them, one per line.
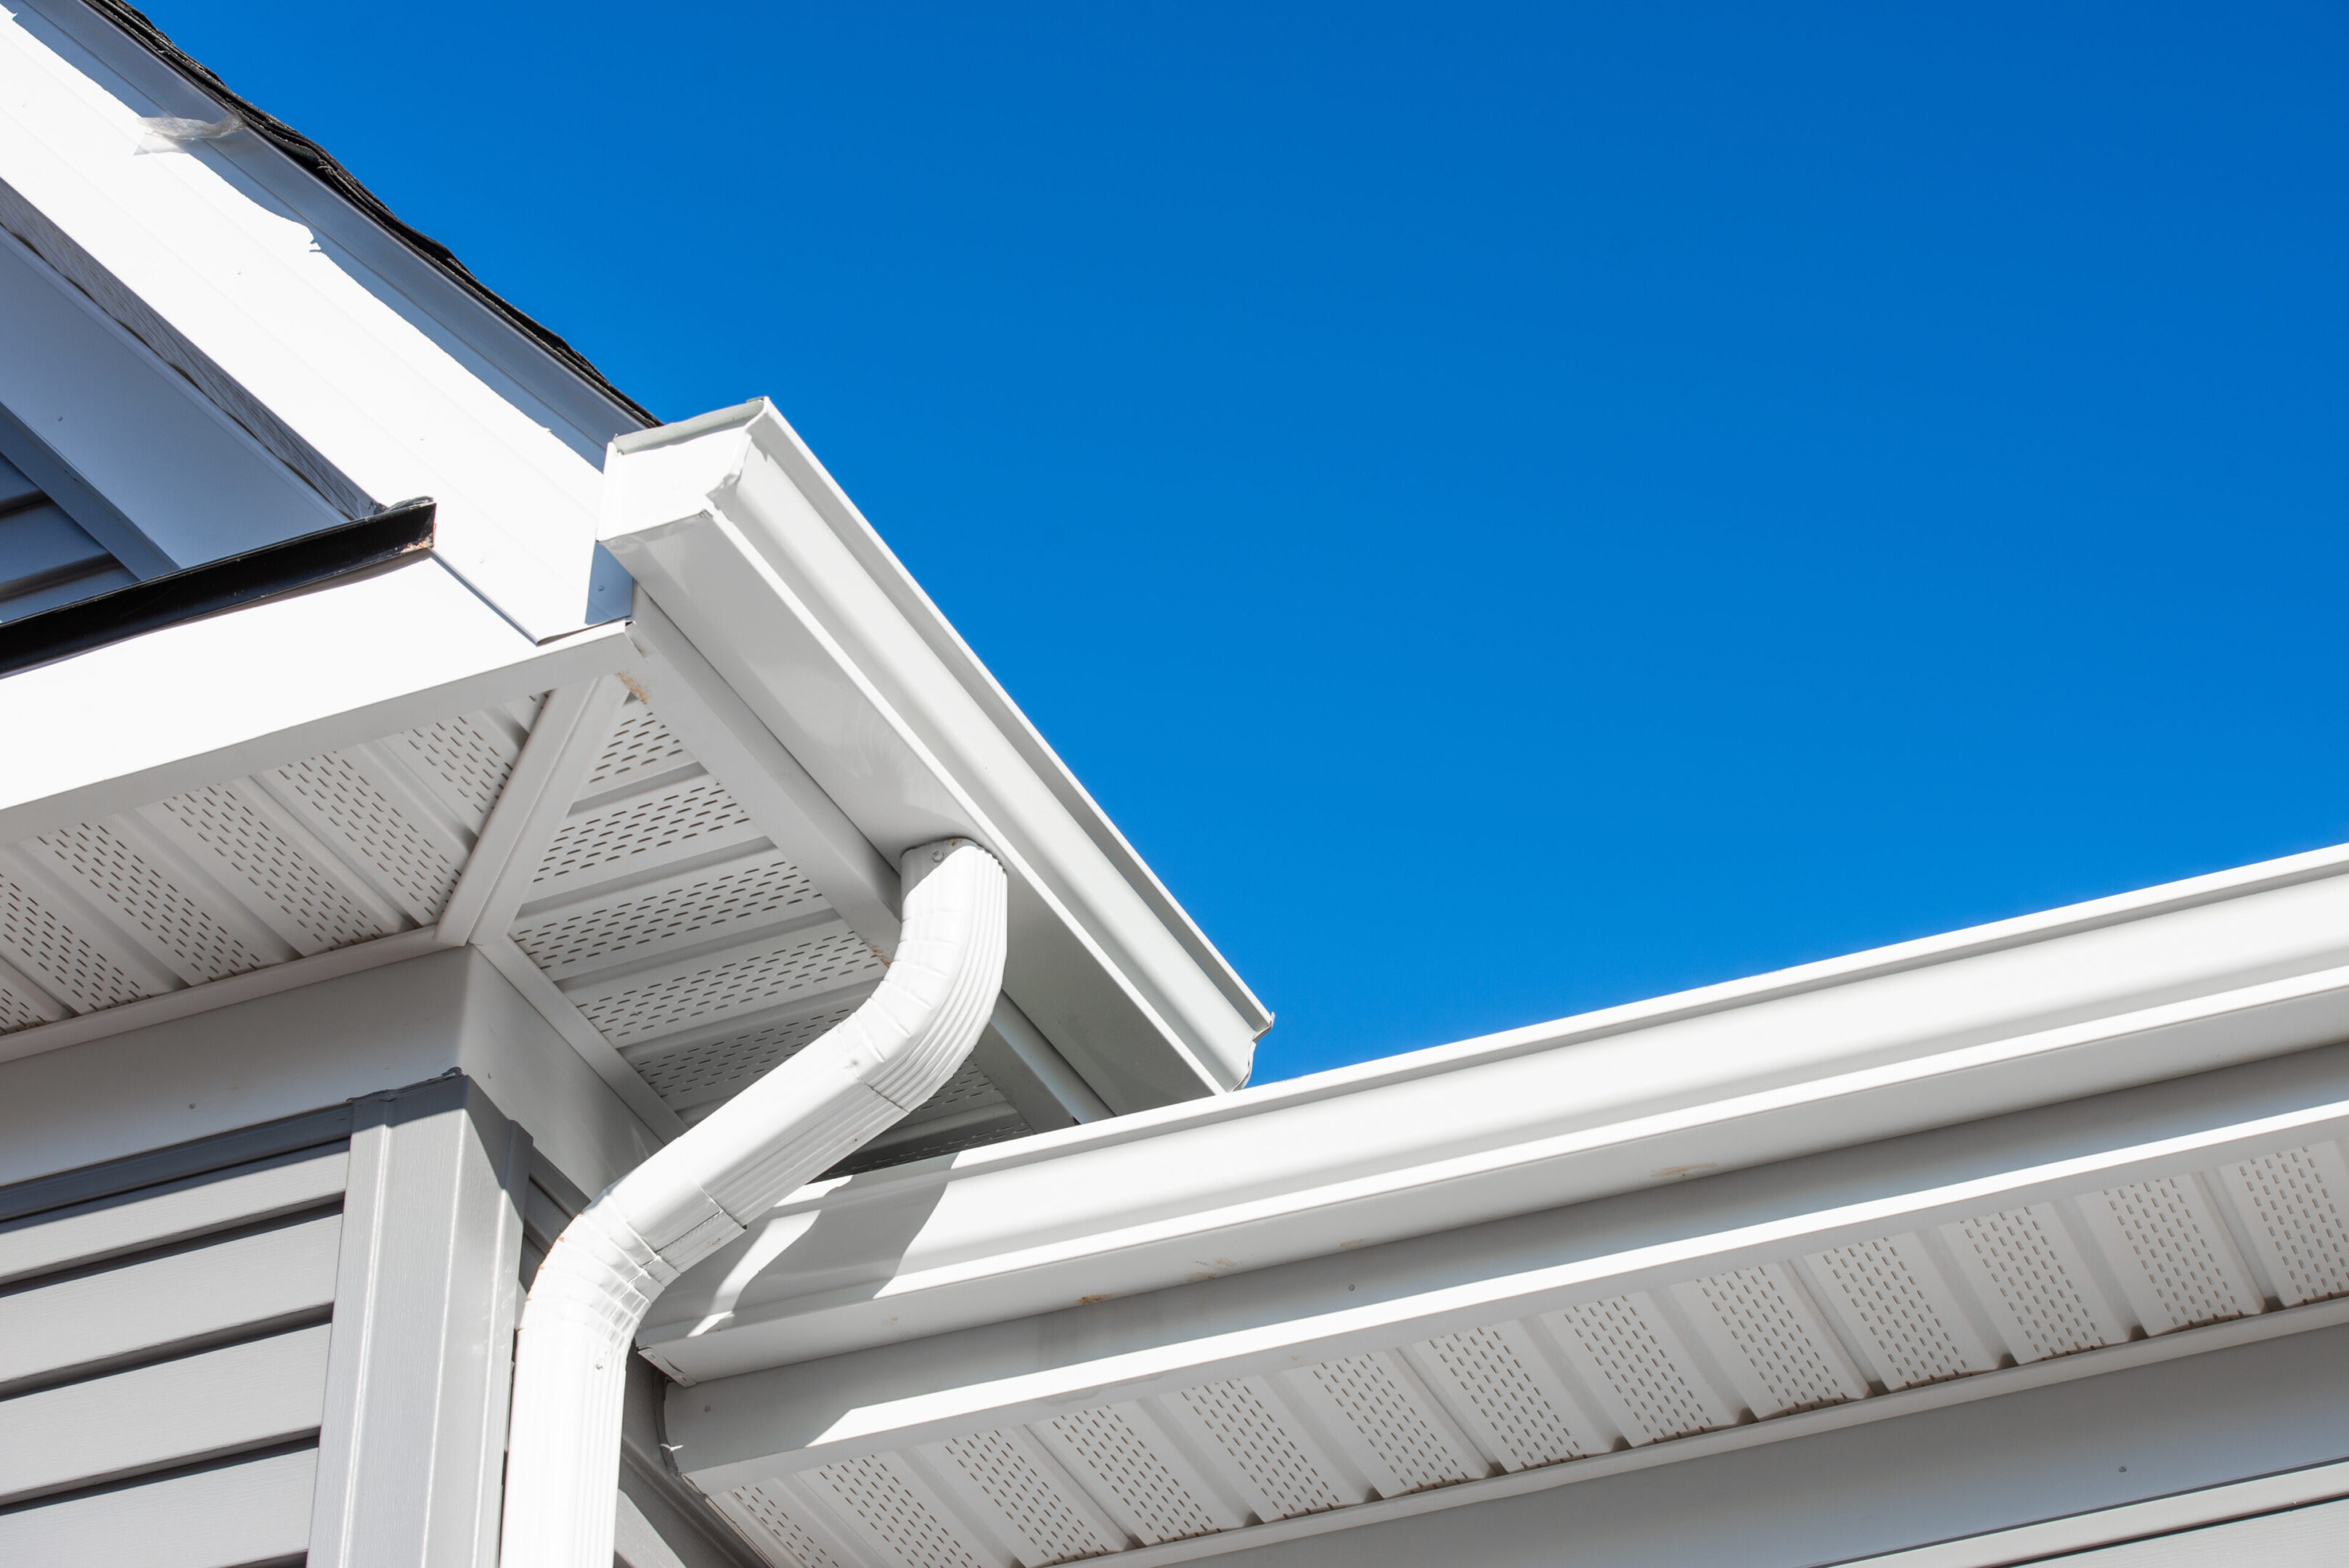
1511	509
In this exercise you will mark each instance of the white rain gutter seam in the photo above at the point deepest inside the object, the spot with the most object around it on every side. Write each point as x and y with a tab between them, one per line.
701	1192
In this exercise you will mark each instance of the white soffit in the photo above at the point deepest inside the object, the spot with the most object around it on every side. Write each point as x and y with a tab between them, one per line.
272	797
381	365
753	565
1484	1363
326	853
661	919
207	700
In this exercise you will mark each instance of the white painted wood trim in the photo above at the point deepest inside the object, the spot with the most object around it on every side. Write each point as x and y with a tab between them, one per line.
293	310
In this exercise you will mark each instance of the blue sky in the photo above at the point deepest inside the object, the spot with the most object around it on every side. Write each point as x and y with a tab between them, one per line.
1512	509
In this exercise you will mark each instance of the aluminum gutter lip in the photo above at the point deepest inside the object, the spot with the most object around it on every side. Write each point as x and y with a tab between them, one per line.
890	1397
2153	985
739	539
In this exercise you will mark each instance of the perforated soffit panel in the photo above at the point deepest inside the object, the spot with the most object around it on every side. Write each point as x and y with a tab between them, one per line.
1814	1329
702	953
323	854
659	912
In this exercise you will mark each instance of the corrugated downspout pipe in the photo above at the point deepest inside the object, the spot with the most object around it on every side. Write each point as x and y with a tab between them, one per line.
571	1359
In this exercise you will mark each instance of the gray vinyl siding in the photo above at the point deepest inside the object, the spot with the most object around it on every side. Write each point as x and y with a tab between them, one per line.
293	1343
163	1352
46	557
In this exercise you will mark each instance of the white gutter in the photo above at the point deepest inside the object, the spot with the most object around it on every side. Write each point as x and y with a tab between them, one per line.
2158	984
700	1193
761	564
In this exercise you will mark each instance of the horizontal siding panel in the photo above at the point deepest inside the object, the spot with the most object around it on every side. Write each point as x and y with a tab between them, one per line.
250	1511
221	1401
160	1215
108	1313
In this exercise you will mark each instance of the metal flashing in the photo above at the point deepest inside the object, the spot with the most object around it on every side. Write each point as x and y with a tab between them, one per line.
241	579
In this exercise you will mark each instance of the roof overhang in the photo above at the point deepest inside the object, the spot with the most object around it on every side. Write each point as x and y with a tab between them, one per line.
758	566
1372	1299
673	835
224	695
2092	1142
2153	985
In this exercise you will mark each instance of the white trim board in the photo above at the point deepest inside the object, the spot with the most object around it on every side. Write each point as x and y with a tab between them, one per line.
316	1045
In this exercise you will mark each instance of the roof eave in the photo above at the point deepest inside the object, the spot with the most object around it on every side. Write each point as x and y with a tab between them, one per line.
2175	982
738	536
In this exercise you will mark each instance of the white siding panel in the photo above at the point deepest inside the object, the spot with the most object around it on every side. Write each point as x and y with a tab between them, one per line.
169	1213
256	1511
48	1326
239	1398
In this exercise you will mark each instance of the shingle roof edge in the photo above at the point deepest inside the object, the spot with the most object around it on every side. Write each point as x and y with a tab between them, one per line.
322	165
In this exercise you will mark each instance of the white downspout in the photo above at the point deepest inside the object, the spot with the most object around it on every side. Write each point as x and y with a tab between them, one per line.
697	1193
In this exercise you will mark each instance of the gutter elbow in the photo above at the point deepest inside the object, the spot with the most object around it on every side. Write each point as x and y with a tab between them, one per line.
702	1191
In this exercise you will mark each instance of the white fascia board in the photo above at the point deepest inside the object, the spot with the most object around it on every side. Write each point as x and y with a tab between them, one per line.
358	345
233	694
2181	980
741	1427
741	539
790	808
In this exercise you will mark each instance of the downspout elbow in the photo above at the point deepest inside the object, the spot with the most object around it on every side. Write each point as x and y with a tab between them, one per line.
703	1189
